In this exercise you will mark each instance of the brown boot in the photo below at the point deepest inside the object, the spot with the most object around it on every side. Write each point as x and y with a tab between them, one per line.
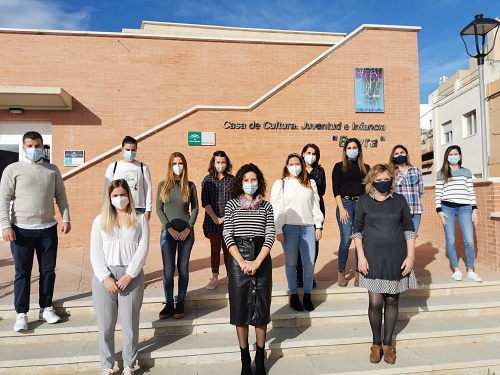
375	354
389	355
356	278
341	278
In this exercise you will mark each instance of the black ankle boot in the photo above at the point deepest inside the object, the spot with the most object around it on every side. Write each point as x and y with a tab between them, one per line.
246	360
260	355
295	302
307	302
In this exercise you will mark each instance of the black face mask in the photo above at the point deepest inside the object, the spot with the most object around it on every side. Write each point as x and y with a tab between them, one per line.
400	159
382	186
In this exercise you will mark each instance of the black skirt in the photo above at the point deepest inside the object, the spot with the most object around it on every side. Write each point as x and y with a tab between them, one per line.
250	296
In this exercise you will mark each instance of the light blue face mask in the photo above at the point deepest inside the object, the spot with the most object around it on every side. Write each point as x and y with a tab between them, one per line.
34	154
250	188
129	155
453	159
352	154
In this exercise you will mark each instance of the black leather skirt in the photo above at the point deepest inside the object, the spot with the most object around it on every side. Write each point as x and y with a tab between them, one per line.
250	296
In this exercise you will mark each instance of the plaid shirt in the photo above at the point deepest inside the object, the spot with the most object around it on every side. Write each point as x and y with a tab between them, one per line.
411	186
215	192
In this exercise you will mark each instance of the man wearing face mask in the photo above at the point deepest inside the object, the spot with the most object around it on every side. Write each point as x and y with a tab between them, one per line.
137	175
32	185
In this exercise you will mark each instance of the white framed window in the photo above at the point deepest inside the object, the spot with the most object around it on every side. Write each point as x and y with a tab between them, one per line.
470	124
447	131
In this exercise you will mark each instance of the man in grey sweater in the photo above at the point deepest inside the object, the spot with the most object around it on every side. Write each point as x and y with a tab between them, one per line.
29	224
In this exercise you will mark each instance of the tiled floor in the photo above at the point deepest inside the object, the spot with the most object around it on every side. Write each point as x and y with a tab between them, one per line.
74	271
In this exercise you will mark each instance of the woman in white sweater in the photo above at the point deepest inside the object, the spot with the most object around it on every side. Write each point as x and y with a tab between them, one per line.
118	250
299	222
455	198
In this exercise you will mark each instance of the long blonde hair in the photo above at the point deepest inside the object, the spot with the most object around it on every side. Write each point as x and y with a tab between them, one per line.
169	182
109	219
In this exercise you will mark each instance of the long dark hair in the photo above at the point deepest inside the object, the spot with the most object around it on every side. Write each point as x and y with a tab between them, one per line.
445	168
346	161
237	188
391	157
211	166
316	150
303	176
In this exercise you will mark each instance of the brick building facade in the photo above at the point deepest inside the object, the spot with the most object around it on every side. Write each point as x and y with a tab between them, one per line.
157	85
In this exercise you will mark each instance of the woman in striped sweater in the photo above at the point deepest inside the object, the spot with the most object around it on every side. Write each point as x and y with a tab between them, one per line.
455	197
249	235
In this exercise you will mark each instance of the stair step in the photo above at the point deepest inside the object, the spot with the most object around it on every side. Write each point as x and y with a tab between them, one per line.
418	345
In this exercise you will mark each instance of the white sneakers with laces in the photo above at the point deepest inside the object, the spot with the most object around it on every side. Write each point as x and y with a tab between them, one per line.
21	323
49	315
457	276
471	275
212	284
128	371
106	371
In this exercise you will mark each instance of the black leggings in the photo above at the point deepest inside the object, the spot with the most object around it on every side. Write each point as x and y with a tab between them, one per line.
391	309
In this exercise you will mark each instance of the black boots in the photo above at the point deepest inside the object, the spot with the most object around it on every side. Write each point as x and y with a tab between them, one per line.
307	302
167	311
259	361
245	361
295	302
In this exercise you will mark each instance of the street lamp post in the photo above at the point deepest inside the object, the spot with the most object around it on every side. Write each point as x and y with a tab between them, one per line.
480	27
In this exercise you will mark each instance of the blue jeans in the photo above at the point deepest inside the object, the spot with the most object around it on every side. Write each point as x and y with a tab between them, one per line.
301	239
28	241
464	214
169	247
416	221
345	233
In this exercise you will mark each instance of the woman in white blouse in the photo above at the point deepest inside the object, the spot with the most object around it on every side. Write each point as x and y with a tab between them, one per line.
299	222
118	250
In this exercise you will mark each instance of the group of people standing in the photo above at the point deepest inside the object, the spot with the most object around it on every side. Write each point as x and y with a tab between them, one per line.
378	207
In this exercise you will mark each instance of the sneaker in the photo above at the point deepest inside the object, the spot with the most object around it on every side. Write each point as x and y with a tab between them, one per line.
21	322
128	371
212	284
49	315
179	310
474	276
106	371
457	276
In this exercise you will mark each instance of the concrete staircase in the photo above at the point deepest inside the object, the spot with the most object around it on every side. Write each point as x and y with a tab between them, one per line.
443	328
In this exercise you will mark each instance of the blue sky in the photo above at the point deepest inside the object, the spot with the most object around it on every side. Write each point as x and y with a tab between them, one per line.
441	51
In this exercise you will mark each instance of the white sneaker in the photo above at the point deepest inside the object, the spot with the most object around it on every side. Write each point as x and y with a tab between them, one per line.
49	315
457	276
106	371
474	276
212	284
21	322
128	371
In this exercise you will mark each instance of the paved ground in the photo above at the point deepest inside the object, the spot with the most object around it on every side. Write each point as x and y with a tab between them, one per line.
74	271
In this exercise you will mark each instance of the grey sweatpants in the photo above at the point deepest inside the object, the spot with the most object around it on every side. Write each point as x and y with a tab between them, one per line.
106	307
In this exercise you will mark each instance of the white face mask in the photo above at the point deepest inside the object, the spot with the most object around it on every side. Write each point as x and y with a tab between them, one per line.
310	159
295	170
178	169
220	167
120	202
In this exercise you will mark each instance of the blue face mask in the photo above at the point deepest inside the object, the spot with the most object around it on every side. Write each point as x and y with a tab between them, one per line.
382	186
453	159
129	155
250	188
400	159
34	154
352	154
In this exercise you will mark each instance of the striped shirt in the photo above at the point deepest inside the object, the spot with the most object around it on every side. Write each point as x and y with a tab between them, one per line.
411	186
458	191
240	222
